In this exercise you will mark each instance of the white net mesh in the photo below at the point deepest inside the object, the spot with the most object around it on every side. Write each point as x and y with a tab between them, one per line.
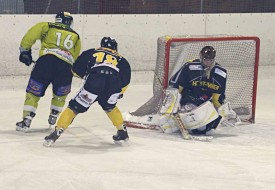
239	55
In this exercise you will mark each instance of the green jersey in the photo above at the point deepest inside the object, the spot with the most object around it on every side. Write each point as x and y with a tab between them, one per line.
56	38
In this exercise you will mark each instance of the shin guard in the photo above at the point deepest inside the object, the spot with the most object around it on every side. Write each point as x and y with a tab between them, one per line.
65	119
116	117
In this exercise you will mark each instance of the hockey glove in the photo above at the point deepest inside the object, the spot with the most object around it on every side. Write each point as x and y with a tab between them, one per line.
26	57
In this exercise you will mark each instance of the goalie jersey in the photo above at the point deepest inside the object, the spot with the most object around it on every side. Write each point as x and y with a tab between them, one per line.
194	84
97	60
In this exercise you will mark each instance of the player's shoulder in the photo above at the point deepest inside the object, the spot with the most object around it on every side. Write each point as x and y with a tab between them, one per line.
194	64
217	65
62	27
122	59
89	51
219	70
41	24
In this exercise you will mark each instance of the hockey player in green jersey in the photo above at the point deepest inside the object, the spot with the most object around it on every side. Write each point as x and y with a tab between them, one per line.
60	47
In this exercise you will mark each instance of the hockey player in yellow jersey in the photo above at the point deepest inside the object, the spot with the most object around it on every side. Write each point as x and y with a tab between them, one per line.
107	75
60	47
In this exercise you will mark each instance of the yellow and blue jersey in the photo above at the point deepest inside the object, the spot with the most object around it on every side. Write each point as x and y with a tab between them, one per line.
191	77
95	60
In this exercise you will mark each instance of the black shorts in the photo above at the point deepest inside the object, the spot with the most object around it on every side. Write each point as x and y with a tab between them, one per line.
50	69
101	88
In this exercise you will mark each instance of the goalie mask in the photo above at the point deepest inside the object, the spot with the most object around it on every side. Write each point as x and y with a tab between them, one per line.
64	18
207	56
109	42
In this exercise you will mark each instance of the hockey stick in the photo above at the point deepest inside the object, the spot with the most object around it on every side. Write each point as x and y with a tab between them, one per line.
183	130
142	126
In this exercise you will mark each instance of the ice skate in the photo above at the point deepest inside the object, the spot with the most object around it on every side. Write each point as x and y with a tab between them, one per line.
53	117
50	139
25	124
121	135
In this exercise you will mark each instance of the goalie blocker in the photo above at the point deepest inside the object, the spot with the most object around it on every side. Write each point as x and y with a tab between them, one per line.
197	120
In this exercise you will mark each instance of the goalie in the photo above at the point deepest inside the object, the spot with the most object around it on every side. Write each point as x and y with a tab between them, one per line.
198	93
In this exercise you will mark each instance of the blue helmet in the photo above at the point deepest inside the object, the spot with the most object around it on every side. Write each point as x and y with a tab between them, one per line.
64	17
109	42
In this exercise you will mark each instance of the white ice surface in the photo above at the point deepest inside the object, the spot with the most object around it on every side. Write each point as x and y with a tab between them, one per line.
85	157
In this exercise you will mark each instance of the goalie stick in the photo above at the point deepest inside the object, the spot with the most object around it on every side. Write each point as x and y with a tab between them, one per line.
186	135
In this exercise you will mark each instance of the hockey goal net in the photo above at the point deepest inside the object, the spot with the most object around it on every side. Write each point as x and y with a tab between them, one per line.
238	54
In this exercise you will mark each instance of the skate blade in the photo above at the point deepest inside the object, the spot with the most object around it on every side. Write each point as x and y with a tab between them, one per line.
120	142
20	129
48	143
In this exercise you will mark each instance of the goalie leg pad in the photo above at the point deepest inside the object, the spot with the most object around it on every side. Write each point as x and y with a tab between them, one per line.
199	116
212	125
188	107
168	124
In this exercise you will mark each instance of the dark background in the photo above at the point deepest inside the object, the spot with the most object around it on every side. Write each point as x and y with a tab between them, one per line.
135	6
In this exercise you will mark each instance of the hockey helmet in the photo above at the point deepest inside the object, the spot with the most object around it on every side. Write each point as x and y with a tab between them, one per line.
109	42
65	18
208	52
207	55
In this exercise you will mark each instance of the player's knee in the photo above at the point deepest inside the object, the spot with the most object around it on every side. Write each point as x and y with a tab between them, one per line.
32	98
59	99
107	108
76	107
36	88
62	90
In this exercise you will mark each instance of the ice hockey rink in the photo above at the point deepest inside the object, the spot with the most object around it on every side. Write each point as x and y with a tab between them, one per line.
85	157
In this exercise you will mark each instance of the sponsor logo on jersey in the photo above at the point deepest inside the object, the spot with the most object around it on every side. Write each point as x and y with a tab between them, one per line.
195	67
220	72
207	84
63	54
85	97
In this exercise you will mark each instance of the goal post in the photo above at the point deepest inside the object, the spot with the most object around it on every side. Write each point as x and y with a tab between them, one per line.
239	55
